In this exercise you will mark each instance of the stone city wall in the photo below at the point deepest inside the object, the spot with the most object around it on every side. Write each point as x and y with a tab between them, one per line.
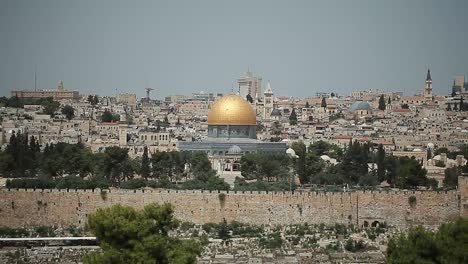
29	208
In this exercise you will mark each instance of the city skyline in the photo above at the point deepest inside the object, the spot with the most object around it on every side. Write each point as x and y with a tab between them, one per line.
180	47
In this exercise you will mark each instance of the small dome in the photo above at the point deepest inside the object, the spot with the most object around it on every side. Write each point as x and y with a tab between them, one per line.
291	152
234	149
430	145
359	105
275	112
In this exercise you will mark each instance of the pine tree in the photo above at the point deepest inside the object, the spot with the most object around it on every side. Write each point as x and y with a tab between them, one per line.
462	106
449	107
382	103
307	105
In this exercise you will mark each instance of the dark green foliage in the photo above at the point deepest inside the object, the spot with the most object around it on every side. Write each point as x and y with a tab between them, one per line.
451	177
293	118
69	182
354	246
271	241
267	167
324	102
68	111
30	183
107	116
448	245
211	183
126	235
50	106
145	164
134	184
382	103
115	165
380	163
307	105
223	231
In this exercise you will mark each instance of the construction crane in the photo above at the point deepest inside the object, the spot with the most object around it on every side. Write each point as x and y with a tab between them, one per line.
148	90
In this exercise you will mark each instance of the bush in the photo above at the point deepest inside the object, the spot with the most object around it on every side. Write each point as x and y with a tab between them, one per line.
213	183
30	183
354	246
242	185
271	241
134	184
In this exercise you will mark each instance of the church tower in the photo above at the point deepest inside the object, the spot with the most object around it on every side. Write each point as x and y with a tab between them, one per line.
428	88
268	101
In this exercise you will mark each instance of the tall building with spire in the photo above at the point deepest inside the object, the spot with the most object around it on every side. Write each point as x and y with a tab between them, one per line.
250	84
267	101
428	88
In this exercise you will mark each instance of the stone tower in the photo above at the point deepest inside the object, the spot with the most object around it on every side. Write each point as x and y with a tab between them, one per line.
268	101
122	135
428	88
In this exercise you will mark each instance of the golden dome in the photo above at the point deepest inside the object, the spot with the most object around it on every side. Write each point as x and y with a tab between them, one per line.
231	110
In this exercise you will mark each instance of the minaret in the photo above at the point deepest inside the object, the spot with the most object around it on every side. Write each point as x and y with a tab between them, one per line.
428	88
60	87
268	101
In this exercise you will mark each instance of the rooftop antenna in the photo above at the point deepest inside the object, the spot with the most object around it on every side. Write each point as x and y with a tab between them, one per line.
35	78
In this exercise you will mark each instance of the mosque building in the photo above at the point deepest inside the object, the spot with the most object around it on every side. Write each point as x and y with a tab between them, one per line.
232	132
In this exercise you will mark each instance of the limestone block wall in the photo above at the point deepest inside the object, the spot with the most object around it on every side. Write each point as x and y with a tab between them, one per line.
463	190
29	208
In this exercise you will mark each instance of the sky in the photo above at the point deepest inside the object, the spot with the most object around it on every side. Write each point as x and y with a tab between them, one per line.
180	47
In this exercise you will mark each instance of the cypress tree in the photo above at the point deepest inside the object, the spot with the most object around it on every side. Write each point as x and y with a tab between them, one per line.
145	169
382	103
324	102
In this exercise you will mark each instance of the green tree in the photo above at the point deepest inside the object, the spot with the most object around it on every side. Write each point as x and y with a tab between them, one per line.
108	116
69	112
126	235
307	104
382	103
145	168
114	165
447	245
293	118
380	163
451	177
300	162
49	106
324	102
223	231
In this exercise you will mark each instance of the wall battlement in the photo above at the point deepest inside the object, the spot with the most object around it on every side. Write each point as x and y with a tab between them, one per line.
36	207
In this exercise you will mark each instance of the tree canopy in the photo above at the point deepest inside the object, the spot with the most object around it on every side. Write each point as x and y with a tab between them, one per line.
69	112
126	235
448	245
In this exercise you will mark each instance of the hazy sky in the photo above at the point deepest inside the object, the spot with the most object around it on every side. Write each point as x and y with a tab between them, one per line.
180	47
